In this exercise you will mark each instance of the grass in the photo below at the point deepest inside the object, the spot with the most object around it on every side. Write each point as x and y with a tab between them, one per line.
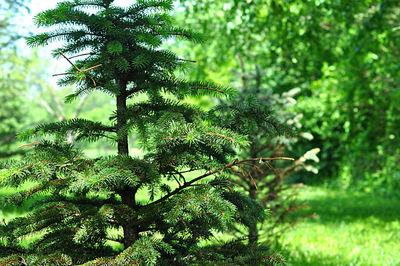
349	228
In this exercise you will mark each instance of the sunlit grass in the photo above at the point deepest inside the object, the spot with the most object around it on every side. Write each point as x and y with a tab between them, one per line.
349	229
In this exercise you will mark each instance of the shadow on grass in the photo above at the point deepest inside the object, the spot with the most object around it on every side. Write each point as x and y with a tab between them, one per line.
301	258
331	206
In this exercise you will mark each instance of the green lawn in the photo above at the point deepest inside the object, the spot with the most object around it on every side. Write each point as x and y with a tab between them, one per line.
349	229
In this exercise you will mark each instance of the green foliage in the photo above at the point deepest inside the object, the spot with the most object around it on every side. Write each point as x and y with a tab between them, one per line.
84	205
341	54
9	34
19	75
13	77
250	211
249	113
53	259
360	105
145	251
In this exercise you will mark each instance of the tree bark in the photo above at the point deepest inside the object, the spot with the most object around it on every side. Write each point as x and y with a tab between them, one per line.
123	147
130	228
253	232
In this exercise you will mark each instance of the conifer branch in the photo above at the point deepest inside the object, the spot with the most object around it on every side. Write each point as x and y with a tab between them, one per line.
88	4
69	61
207	88
182	176
177	181
114	240
29	145
90	68
94	82
79	55
187	60
63	74
179	34
77	68
189	183
223	136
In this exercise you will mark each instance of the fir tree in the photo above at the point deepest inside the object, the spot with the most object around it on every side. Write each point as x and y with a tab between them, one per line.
157	206
249	113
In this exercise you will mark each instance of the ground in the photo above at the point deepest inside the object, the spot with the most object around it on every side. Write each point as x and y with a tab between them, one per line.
349	228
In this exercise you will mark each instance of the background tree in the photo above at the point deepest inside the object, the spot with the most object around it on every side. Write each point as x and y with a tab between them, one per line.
341	54
25	85
266	183
157	206
8	32
13	79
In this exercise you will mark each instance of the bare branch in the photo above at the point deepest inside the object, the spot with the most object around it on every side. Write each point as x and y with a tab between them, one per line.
188	184
79	55
187	60
90	68
69	61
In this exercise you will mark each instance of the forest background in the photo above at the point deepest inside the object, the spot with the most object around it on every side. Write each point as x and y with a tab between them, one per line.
342	58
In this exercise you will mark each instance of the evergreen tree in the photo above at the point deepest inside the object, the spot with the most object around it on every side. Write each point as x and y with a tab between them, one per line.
250	114
157	206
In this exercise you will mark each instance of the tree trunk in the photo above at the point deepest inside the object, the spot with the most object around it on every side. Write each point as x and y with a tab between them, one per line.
123	147
253	232
130	228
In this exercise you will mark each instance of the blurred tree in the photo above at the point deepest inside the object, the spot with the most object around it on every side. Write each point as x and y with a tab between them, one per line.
11	5
25	91
14	84
13	69
266	183
50	107
341	54
9	9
